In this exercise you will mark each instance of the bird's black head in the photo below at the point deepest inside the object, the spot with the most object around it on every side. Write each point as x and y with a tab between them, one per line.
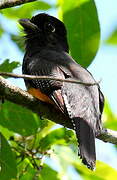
45	30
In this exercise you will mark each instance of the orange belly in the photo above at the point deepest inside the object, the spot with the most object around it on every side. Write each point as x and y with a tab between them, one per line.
39	95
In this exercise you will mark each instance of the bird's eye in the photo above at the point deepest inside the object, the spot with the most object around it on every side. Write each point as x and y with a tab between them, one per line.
50	27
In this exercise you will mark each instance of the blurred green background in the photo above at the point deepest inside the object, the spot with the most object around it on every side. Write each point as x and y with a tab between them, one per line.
27	142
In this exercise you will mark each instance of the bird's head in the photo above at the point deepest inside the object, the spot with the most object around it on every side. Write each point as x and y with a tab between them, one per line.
46	29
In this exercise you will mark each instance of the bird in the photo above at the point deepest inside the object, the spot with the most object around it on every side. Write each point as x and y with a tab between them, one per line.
47	54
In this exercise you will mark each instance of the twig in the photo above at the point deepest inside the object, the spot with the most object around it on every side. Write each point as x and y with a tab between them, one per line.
24	76
11	3
108	135
20	97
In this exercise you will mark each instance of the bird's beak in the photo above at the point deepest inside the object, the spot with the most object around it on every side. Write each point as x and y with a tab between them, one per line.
26	23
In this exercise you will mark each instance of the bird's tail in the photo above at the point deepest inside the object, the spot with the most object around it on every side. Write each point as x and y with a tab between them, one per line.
86	140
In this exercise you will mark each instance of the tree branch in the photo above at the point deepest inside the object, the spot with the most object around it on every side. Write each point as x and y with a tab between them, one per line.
11	3
20	97
23	98
108	135
24	76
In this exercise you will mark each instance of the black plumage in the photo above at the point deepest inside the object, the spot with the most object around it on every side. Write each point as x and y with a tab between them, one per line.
47	54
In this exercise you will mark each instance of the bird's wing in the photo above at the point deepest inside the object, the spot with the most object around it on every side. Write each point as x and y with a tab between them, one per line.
39	65
61	65
84	105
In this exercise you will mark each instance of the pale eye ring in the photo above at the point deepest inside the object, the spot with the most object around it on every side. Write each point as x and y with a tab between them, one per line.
50	27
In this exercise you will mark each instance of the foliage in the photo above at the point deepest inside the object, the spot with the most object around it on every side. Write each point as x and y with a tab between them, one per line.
18	40
1	30
6	158
83	30
112	40
25	10
109	118
32	148
8	66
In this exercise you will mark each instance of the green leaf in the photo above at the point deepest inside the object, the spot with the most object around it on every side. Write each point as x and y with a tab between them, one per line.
43	131
81	20
58	136
6	133
112	39
7	161
1	30
66	157
8	66
28	174
18	41
18	119
25	170
102	172
26	10
109	118
48	173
